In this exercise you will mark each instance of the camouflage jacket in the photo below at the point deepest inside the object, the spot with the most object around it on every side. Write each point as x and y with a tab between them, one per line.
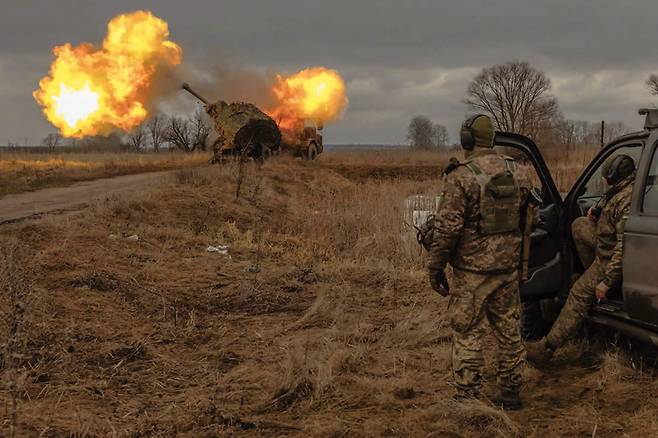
610	232
457	239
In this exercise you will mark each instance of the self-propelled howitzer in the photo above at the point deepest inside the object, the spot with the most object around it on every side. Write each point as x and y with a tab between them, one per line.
242	129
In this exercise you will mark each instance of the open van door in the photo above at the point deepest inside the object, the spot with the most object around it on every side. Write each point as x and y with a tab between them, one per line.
640	289
548	275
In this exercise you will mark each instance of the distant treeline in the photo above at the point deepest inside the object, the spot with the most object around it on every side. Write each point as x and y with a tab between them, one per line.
122	147
68	149
366	146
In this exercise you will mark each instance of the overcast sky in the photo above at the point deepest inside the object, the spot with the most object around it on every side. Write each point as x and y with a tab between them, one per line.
399	58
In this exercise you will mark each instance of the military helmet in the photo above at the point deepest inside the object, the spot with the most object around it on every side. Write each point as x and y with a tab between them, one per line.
617	168
477	131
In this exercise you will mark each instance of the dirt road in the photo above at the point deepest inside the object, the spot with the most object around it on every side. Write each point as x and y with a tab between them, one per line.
30	204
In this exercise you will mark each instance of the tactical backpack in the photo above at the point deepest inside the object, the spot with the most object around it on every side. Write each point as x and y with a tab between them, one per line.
499	199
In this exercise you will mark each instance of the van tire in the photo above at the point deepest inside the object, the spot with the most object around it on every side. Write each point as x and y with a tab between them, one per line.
311	152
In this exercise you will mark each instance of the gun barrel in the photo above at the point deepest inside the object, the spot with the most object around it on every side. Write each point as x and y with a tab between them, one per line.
189	89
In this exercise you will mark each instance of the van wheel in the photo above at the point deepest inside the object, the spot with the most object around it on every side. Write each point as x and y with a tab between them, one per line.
312	152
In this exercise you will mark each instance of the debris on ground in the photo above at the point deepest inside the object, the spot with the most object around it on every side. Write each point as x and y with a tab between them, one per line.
220	249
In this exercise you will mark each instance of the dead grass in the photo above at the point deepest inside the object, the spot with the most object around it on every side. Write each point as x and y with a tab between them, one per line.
318	321
14	299
20	172
565	164
377	158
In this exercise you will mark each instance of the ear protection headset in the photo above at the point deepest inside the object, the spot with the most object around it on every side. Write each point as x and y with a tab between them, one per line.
467	136
614	173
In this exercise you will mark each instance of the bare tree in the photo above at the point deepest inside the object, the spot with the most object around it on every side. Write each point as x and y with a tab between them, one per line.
51	141
420	133
200	130
516	95
574	132
156	129
582	132
113	142
179	133
652	82
137	138
441	136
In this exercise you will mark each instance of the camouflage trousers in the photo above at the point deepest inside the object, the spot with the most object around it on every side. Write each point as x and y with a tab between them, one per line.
474	299
582	293
584	237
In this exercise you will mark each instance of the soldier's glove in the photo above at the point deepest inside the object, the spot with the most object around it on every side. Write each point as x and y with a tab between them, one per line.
439	283
425	234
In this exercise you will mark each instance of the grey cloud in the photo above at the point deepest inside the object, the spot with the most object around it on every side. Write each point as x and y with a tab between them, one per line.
399	57
603	95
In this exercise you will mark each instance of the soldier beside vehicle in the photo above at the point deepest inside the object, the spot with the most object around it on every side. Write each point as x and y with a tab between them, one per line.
599	243
477	230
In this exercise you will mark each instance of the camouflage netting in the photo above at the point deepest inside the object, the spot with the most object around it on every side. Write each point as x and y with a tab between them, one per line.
243	129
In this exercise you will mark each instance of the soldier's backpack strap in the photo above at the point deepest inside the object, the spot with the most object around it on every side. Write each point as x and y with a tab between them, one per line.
481	177
477	171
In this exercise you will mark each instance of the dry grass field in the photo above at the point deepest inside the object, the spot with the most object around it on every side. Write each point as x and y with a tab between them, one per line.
20	172
566	164
311	317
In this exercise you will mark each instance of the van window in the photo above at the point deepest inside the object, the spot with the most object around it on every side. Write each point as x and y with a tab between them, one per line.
650	203
596	185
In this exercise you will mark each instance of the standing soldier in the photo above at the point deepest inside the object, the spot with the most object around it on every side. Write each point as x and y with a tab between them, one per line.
477	231
603	231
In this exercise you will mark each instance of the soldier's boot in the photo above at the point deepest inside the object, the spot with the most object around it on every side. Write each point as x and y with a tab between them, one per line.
509	400
462	395
539	353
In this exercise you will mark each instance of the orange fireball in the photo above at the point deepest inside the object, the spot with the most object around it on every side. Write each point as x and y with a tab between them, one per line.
92	91
316	93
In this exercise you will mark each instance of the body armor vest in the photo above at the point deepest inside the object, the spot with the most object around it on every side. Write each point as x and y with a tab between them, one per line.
500	208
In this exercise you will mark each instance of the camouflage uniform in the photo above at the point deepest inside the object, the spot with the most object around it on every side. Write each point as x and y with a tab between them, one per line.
606	267
583	231
485	281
